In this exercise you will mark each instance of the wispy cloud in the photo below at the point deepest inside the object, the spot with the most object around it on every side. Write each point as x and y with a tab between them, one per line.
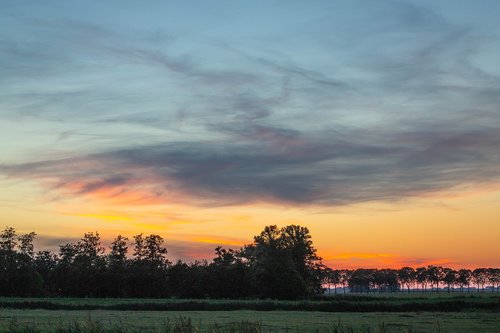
278	166
371	110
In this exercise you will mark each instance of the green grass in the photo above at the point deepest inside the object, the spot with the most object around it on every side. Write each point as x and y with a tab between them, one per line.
107	318
272	321
341	303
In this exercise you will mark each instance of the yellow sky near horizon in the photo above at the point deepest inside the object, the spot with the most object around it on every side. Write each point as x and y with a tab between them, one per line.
451	230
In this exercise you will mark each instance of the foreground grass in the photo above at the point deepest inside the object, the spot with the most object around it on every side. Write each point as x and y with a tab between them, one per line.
244	321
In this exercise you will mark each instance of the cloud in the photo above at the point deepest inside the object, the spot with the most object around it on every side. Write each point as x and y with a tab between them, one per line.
381	110
277	165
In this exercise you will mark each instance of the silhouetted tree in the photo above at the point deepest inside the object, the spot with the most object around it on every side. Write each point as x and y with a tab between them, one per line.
45	263
422	277
450	277
26	244
480	277
435	274
332	277
280	263
117	268
407	276
494	278
463	278
148	269
362	280
284	262
8	240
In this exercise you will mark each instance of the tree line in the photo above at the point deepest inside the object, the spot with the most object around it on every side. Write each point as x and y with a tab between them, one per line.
280	263
408	279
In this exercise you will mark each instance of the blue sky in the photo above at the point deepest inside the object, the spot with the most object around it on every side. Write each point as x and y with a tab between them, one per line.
229	103
360	94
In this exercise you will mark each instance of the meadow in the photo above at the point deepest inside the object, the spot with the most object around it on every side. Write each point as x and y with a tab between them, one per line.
127	315
375	302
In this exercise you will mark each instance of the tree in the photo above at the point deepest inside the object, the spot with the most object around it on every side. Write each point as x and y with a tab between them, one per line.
463	278
407	276
480	276
362	280
8	240
119	250
332	277
148	270
18	275
450	277
26	244
284	262
386	280
116	275
90	246
422	277
229	276
45	264
494	278
435	275
154	251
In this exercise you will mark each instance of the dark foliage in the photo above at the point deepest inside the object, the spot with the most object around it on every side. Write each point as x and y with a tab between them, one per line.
279	264
287	267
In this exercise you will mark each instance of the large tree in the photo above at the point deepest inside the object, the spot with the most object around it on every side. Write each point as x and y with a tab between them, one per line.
284	262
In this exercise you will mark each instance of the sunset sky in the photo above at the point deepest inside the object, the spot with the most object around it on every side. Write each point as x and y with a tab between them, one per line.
376	124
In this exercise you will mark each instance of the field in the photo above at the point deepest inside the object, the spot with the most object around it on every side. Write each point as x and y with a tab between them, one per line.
104	315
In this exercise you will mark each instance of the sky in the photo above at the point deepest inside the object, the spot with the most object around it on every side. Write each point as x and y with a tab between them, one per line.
376	124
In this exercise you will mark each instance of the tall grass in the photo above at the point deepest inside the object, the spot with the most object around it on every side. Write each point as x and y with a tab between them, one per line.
185	325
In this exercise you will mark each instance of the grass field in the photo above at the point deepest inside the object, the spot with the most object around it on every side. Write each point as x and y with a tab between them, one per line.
348	303
105	318
271	321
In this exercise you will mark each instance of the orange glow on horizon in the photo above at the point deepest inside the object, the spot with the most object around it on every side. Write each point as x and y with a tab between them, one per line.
458	231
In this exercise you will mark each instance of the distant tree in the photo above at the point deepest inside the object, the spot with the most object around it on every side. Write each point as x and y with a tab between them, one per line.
494	278
332	278
435	274
362	280
386	280
345	275
450	277
422	277
407	276
464	278
480	277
